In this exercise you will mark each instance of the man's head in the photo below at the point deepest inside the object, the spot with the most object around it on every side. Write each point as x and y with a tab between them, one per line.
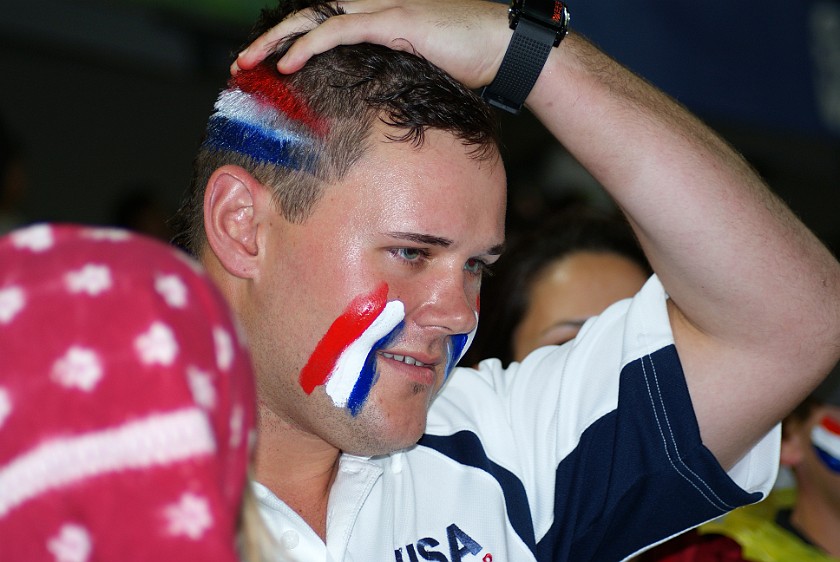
299	132
811	443
346	212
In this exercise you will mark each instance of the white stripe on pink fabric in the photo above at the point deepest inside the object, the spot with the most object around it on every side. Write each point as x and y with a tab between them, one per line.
160	439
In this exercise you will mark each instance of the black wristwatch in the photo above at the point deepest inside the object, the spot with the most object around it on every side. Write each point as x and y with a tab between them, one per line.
538	25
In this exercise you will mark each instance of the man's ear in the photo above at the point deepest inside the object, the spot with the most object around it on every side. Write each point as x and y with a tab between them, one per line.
793	443
234	204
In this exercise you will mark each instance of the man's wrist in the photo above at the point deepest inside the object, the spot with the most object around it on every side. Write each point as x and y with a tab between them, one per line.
538	26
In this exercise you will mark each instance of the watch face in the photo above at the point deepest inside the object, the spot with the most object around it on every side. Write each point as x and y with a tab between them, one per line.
514	10
552	13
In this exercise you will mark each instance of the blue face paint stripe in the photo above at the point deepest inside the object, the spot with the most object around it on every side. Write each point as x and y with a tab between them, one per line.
832	463
361	390
369	374
251	140
457	344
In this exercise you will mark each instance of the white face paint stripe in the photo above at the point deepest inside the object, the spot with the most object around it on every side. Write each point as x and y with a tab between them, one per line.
470	338
826	440
350	363
157	440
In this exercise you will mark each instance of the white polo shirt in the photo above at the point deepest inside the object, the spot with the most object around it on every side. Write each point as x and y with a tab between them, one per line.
587	451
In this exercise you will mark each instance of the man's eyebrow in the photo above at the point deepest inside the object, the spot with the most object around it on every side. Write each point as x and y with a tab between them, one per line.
431	240
427	239
496	250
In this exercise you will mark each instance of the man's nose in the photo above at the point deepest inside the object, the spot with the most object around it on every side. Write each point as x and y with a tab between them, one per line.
451	305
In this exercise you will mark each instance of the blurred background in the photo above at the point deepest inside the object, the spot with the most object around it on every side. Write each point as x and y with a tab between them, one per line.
104	102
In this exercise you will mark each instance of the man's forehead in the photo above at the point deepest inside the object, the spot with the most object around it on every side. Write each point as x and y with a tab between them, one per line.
437	189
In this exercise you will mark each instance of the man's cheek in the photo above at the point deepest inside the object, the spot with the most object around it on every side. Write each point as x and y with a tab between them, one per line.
344	361
826	440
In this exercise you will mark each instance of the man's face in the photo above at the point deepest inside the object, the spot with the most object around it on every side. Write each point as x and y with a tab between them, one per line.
417	224
820	465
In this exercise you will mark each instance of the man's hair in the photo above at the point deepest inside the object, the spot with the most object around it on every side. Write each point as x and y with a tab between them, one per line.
297	132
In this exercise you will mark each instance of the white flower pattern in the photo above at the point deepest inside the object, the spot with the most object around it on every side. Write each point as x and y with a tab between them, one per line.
157	345
79	368
201	386
11	302
5	406
91	279
190	517
237	422
36	238
107	234
72	544
172	289
224	348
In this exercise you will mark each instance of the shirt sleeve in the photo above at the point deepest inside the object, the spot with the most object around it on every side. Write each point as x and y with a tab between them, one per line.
602	435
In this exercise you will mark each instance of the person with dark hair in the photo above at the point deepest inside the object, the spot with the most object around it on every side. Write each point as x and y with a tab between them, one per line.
552	278
140	209
348	196
13	180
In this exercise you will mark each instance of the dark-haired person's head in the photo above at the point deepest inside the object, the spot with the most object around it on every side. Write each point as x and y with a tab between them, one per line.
13	179
552	278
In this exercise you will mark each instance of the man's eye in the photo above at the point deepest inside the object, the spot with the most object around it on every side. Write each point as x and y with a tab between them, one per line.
476	267
410	254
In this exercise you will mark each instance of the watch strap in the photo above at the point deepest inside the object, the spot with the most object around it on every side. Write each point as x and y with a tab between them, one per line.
521	66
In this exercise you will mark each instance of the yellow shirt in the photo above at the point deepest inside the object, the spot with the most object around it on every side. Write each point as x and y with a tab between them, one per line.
761	539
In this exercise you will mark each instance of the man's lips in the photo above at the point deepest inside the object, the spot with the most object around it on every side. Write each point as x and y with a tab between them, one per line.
421	369
407	359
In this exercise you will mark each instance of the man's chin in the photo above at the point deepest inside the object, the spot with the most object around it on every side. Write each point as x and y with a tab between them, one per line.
381	445
381	448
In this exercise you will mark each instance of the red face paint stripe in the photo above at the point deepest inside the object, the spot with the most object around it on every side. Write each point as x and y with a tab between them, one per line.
347	328
831	424
262	81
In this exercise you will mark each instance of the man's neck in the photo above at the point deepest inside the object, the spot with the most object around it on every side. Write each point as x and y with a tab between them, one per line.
298	467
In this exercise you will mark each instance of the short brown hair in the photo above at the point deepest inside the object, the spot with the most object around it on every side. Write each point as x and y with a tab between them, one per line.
347	88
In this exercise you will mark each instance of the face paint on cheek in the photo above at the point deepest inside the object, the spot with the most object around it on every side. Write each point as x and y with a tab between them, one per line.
825	438
458	346
355	371
345	358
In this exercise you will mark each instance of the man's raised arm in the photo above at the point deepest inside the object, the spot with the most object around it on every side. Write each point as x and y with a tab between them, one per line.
755	297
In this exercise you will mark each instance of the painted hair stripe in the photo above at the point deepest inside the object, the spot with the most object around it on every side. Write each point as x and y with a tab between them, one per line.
239	106
157	440
264	81
258	143
260	116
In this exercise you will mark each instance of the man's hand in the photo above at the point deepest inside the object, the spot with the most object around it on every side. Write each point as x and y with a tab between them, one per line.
467	38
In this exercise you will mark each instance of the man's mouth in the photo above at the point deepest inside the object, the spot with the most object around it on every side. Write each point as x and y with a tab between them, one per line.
407	359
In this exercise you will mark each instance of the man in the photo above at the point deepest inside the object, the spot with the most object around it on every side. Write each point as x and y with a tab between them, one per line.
348	208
